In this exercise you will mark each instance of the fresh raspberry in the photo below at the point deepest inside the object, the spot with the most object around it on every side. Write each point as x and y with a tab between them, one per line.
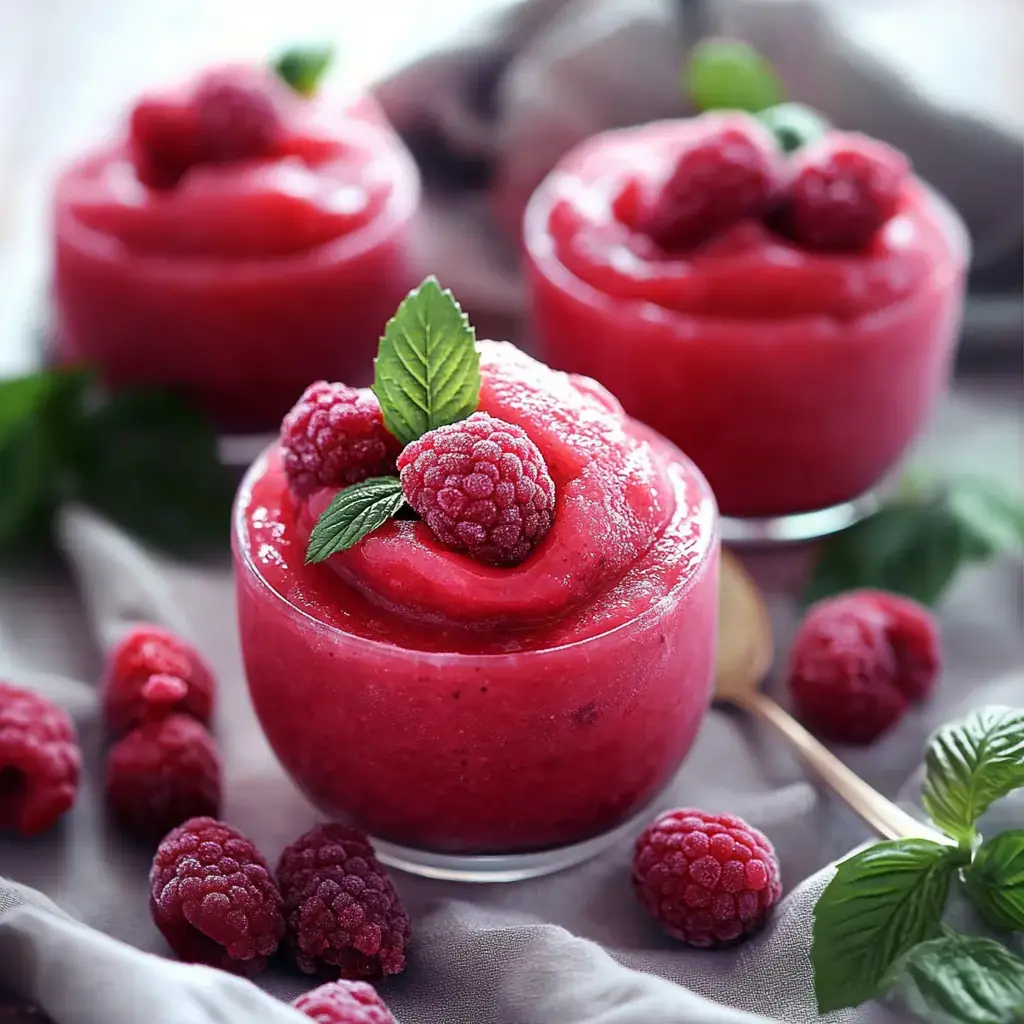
344	916
842	189
334	436
859	660
238	119
148	651
165	771
164	141
482	486
213	898
709	879
344	1002
729	170
39	762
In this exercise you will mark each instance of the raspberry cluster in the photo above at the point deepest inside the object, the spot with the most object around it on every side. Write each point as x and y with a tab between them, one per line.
39	762
164	767
833	194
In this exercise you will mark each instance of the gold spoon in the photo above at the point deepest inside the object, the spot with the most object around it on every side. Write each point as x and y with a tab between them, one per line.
744	657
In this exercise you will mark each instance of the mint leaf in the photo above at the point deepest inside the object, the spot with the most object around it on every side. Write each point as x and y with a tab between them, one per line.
969	764
992	519
909	548
793	125
880	903
995	880
726	74
352	514
20	398
26	465
302	67
150	462
964	979
427	370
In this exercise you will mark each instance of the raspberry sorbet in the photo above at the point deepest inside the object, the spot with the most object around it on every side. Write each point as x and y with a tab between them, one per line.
459	707
793	373
235	241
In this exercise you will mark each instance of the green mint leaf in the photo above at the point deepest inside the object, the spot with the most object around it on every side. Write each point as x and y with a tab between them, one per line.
150	462
991	518
26	465
906	547
352	514
963	979
879	904
427	371
970	764
793	125
995	880
725	74
302	67
22	398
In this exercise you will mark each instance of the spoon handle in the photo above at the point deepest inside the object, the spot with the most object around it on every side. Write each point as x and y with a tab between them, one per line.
881	814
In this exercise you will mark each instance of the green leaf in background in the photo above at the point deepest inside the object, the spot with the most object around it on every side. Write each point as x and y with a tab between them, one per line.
427	371
963	979
793	125
21	398
302	67
726	74
880	903
150	462
352	514
991	518
995	880
971	763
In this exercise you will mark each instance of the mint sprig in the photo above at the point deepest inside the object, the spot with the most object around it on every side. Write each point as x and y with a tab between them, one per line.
426	375
427	370
918	542
878	923
970	764
964	979
881	903
727	74
352	514
995	881
142	457
302	67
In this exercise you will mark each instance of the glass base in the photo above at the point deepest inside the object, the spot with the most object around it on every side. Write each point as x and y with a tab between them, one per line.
513	867
799	527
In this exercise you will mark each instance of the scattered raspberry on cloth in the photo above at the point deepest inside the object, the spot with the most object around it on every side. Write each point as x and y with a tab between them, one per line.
344	1002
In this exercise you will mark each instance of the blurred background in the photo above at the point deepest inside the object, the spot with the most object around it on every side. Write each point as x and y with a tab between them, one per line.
68	67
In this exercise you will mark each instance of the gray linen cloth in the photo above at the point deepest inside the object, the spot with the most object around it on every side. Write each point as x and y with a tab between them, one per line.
573	948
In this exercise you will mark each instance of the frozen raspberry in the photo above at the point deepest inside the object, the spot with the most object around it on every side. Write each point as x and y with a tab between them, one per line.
709	879
482	487
148	651
344	916
859	660
238	119
213	898
39	762
729	170
334	436
842	189
344	1002
165	771
164	141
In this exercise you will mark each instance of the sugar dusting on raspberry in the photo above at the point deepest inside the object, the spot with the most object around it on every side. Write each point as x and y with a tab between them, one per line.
213	898
344	915
148	651
842	190
344	1002
859	660
334	436
709	879
728	169
482	486
39	762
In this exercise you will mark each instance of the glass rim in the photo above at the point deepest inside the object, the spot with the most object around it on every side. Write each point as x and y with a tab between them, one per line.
242	559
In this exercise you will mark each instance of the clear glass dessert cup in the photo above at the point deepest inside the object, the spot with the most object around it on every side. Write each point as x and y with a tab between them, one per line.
480	766
795	383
